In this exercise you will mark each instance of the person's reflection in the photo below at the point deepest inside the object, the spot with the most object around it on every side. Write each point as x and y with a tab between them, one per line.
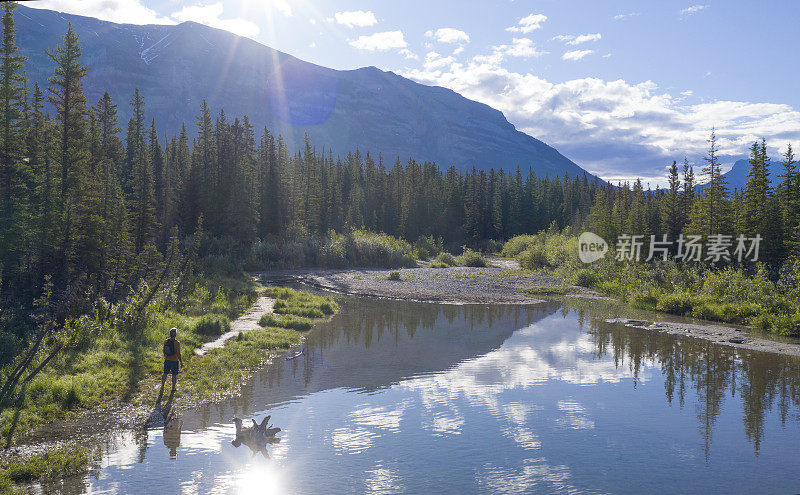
172	424
172	434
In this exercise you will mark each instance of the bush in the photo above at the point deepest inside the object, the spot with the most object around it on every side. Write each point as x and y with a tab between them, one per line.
679	303
426	247
394	275
518	244
586	278
532	258
444	260
471	258
212	325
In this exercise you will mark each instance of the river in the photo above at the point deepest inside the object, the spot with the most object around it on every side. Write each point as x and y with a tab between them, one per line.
400	397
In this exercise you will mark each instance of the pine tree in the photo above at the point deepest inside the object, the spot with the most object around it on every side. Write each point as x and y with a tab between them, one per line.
756	191
140	189
13	100
711	213
66	95
672	210
790	201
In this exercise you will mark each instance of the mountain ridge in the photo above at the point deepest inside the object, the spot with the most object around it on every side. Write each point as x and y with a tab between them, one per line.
176	67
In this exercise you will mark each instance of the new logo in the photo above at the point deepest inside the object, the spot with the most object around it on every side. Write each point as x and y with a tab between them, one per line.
591	247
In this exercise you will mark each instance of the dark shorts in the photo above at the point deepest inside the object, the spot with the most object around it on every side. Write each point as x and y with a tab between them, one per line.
170	367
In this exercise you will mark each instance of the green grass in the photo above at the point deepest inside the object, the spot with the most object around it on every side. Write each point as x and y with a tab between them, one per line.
47	466
548	290
304	304
285	321
223	371
394	275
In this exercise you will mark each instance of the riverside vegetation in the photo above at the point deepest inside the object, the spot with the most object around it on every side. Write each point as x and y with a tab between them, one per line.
731	294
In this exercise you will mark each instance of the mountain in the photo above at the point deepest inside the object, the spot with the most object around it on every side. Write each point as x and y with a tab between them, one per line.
176	67
736	177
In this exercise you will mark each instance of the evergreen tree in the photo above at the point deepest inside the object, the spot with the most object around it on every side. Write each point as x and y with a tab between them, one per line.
672	210
13	100
790	200
69	101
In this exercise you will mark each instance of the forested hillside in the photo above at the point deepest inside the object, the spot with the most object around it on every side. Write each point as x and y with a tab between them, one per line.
177	67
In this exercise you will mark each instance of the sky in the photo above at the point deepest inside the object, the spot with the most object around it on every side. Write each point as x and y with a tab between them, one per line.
621	87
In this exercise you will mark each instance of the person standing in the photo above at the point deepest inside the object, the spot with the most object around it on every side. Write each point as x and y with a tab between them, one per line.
172	358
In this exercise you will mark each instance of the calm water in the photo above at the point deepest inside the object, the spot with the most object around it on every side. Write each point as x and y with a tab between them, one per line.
396	397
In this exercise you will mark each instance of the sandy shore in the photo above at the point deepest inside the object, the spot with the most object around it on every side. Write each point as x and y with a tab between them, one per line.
718	334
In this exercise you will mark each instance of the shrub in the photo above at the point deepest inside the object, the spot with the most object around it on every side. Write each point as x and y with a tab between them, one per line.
532	258
444	259
586	278
518	244
212	324
679	303
394	275
471	258
425	247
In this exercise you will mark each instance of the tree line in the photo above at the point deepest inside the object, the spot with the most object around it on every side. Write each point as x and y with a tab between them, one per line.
683	208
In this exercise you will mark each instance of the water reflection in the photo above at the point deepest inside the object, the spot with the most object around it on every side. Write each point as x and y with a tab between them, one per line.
391	397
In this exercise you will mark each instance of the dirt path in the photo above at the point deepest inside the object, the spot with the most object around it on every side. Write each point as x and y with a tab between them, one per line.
244	323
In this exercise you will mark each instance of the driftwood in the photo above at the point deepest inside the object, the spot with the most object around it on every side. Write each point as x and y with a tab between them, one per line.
255	437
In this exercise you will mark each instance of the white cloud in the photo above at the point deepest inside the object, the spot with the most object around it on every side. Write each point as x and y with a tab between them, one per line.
388	40
528	24
448	35
356	18
121	11
408	54
576	54
616	128
519	47
622	17
211	15
577	40
693	10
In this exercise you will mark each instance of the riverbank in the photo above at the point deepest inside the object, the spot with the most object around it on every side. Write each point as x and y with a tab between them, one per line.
503	282
215	370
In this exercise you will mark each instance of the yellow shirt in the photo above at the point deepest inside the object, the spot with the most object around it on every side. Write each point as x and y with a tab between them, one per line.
177	355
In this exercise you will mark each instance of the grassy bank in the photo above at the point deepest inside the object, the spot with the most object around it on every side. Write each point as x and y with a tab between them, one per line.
223	371
731	294
118	370
48	466
114	354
